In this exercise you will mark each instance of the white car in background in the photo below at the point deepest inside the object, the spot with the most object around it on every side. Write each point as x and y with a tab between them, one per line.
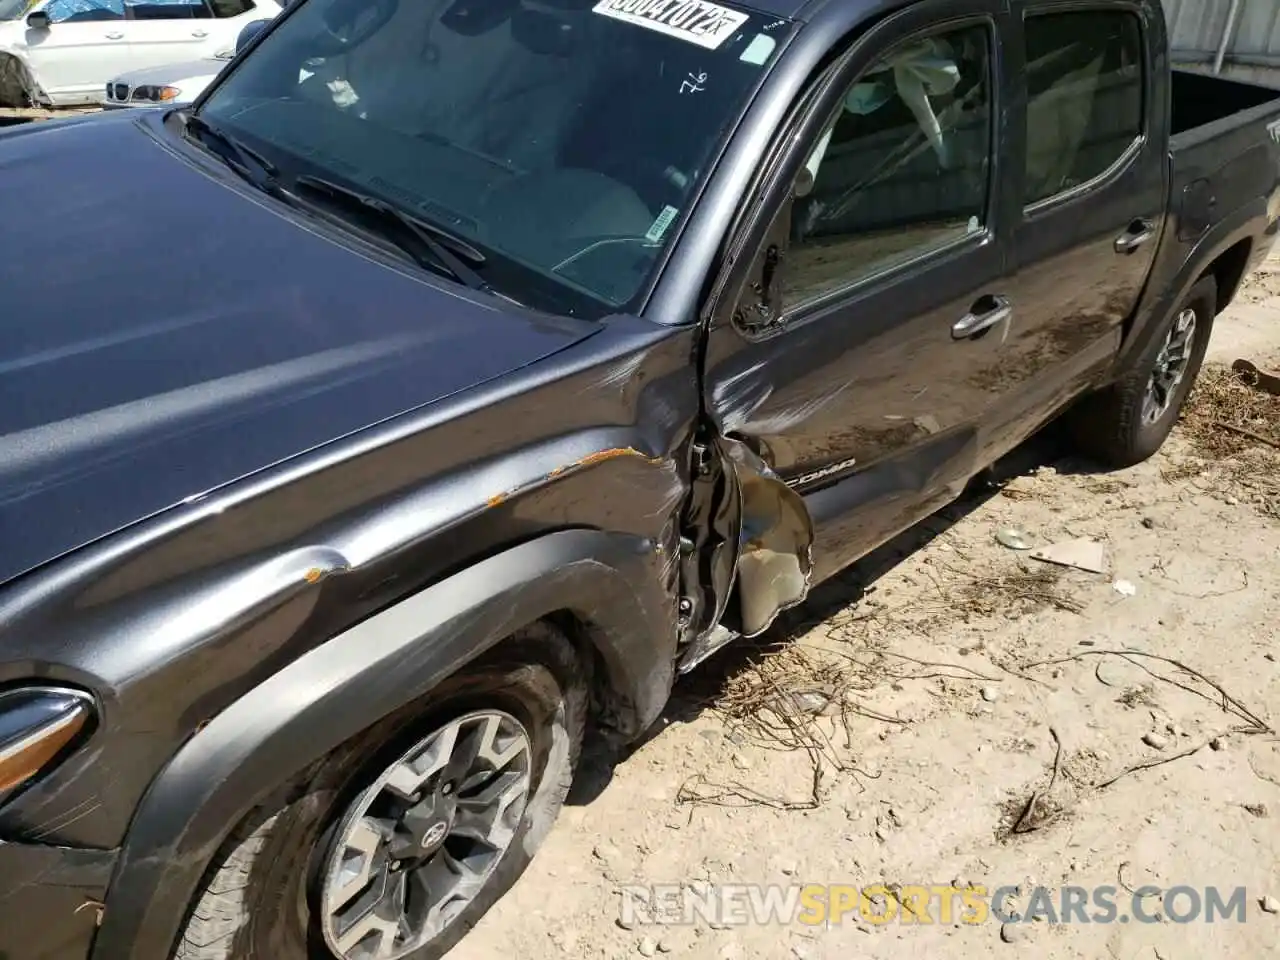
62	52
173	84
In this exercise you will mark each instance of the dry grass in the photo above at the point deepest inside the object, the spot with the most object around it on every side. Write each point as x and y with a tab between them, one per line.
1237	428
1222	406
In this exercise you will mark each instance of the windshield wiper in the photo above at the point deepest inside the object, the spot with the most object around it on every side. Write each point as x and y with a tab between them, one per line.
253	166
444	251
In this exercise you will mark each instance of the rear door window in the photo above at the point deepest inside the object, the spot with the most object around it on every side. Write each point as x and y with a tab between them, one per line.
1084	97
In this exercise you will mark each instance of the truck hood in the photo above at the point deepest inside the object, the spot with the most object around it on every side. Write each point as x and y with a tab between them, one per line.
163	333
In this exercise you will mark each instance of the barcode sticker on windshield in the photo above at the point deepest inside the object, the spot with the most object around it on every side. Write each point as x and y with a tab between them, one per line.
659	228
696	21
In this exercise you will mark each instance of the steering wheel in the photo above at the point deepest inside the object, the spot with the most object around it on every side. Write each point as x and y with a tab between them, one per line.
349	23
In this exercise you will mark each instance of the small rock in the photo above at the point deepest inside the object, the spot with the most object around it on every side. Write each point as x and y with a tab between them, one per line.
624	923
1269	656
664	946
1155	741
1257	809
564	940
898	816
1269	904
990	694
881	835
1012	932
788	868
606	853
741	762
1217	743
1148	523
647	947
1125	588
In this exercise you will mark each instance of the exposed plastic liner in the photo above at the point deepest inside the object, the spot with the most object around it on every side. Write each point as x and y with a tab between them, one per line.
775	561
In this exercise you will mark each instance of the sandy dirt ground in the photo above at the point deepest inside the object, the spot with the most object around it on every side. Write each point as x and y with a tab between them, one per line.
938	686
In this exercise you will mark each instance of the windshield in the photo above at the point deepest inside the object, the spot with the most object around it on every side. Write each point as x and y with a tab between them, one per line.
562	139
15	9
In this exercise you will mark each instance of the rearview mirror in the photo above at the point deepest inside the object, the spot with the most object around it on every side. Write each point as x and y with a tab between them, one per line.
250	31
38	20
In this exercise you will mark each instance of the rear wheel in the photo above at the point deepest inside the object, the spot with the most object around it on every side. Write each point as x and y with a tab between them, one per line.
392	847
1130	420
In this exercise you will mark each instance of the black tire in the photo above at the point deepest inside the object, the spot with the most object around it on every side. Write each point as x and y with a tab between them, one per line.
256	900
1109	426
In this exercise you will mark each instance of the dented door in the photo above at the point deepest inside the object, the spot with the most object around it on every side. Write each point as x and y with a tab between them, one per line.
851	369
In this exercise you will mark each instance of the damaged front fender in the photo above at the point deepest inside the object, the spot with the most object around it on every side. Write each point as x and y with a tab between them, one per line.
18	87
775	541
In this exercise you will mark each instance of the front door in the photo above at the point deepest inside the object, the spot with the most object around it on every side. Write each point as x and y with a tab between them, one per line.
83	47
1092	188
863	350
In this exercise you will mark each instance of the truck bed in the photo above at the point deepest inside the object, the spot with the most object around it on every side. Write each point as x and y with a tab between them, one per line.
1200	99
1224	155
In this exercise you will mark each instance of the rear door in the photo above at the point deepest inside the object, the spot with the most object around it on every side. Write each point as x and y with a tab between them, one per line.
1092	189
861	351
83	48
167	31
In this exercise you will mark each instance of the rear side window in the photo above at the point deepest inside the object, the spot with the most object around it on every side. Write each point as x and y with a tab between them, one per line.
1084	97
166	10
224	9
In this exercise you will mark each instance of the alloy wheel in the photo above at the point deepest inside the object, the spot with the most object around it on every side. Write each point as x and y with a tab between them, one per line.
1170	367
416	847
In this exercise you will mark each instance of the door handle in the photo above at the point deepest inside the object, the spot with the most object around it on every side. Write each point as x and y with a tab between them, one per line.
1139	232
200	34
984	315
115	36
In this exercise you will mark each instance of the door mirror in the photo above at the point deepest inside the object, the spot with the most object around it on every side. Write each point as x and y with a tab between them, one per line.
250	31
38	20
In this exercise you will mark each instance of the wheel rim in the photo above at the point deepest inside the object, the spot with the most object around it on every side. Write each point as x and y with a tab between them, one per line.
418	845
1170	367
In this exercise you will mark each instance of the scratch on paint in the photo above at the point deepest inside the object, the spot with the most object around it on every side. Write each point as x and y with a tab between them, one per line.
589	460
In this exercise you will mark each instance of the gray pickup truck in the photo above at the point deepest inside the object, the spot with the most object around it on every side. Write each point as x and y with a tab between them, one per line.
449	377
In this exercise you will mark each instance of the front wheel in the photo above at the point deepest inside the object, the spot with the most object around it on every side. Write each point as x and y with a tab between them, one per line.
1130	420
394	846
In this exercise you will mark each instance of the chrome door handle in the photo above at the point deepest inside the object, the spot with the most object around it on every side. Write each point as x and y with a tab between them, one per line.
115	36
1139	232
976	321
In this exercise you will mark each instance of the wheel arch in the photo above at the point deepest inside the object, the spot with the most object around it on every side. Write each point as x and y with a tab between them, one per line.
1230	246
597	586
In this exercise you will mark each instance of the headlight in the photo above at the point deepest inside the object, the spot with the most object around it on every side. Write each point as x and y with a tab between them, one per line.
155	94
37	724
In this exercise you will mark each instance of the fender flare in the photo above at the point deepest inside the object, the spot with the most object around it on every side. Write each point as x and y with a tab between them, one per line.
333	692
1242	224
